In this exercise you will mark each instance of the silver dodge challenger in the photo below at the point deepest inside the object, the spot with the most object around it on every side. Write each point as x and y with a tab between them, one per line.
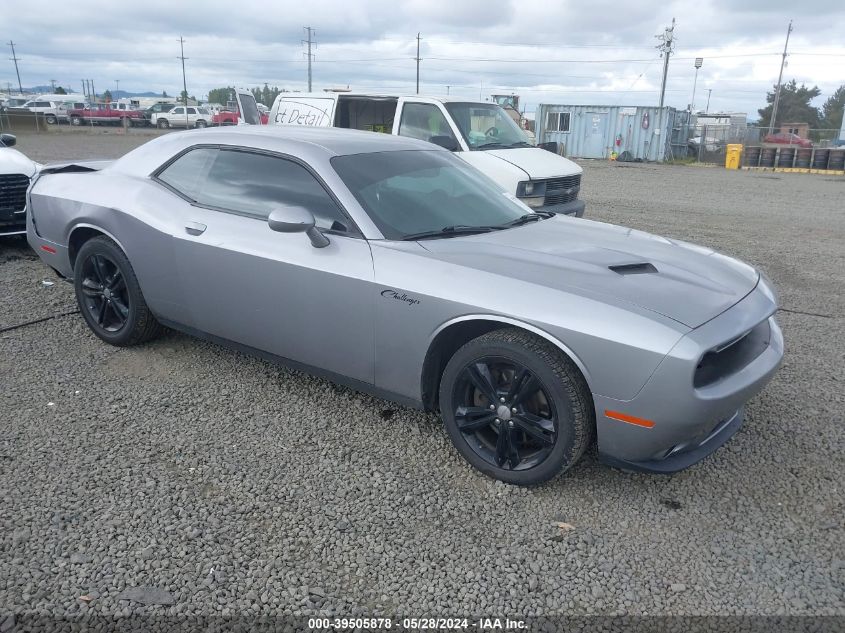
388	265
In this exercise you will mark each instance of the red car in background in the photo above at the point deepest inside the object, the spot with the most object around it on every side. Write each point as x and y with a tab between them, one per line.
786	138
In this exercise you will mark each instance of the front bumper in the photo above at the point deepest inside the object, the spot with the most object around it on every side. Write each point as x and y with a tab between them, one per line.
576	208
688	423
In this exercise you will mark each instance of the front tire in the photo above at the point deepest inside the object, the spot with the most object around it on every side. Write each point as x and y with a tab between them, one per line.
109	297
75	120
163	124
515	407
51	119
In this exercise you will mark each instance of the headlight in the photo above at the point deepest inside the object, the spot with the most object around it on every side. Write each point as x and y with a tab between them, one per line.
531	189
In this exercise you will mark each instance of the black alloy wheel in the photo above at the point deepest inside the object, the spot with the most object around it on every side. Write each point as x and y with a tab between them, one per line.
516	407
109	296
106	295
504	413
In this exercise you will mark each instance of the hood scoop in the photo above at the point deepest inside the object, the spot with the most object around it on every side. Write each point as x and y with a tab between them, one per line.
641	268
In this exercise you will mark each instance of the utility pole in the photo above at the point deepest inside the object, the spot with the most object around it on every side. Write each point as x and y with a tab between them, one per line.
84	89
309	41
780	78
665	47
14	58
667	43
418	63
116	89
707	109
92	91
184	81
53	86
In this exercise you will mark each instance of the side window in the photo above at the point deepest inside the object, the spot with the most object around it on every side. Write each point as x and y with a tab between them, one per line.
186	173
423	121
177	111
254	184
192	110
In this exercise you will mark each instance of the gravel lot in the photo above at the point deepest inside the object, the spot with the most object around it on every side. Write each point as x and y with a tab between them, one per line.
203	481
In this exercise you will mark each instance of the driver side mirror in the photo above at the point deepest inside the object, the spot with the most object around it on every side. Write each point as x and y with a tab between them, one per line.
296	220
446	142
8	140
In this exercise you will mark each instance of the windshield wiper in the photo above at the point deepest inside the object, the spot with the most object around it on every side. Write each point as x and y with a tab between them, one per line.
492	145
520	144
451	231
524	219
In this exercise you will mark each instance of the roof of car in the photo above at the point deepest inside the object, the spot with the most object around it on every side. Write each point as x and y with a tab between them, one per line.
305	142
381	95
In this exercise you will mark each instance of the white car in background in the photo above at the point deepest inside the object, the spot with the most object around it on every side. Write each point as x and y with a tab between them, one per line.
16	171
53	111
197	116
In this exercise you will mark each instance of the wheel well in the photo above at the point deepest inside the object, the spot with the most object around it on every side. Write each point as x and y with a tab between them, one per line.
443	347
449	341
77	239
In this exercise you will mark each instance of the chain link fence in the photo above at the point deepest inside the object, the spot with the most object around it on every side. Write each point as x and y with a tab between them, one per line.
801	147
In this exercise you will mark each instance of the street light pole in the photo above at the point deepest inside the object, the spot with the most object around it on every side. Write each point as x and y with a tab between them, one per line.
707	109
699	61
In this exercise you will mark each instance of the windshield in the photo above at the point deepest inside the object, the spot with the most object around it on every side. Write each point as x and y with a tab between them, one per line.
486	126
417	191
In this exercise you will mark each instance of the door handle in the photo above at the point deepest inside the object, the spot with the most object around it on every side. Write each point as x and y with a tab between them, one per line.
195	228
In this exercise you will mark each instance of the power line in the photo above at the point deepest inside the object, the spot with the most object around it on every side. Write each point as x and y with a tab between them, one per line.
14	58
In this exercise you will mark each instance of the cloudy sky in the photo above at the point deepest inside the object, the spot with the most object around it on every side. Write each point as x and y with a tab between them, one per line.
573	52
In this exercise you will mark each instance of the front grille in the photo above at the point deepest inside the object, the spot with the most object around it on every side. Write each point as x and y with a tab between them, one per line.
561	190
728	359
12	194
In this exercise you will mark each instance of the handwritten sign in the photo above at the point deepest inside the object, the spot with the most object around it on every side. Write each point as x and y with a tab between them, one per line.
312	112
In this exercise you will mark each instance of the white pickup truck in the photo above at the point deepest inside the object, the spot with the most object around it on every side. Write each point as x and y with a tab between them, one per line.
481	133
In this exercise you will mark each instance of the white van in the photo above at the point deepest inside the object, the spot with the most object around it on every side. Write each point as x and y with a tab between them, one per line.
481	133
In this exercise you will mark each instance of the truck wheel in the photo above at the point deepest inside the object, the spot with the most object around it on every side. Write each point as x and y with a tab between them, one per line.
51	119
75	120
163	124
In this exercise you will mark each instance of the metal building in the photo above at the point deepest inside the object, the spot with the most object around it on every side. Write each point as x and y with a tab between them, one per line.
583	131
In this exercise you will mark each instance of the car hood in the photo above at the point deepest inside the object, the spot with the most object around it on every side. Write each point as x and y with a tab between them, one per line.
13	162
537	163
687	283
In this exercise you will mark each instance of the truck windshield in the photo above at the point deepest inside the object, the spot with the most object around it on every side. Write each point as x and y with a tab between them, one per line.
486	126
413	192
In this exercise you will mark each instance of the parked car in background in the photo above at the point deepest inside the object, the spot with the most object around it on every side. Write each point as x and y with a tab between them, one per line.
711	144
196	116
53	111
16	170
15	102
105	113
787	138
392	266
157	109
481	133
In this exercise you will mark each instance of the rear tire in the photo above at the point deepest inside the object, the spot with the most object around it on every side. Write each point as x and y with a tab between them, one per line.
109	297
51	119
75	120
539	399
201	124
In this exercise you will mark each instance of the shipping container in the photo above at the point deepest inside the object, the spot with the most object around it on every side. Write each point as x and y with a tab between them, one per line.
583	131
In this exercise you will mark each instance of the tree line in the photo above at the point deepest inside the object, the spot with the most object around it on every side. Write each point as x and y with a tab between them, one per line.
795	106
265	95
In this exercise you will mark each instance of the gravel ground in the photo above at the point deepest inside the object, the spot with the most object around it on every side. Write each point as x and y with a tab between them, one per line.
182	478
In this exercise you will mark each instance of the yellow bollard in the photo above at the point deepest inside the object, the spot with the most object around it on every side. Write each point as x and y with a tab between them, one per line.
733	156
